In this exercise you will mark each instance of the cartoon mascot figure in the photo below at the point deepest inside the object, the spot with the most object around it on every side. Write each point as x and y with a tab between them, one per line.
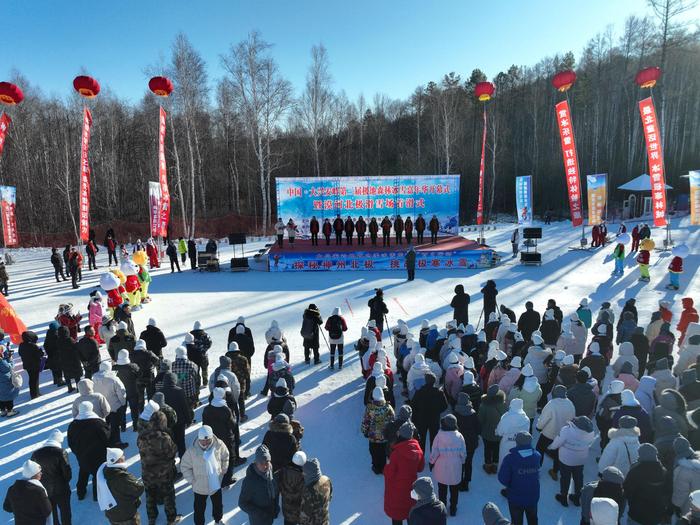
140	258
110	283
675	269
645	248
132	285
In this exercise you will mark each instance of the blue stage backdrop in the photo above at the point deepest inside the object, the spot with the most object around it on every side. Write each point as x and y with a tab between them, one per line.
407	195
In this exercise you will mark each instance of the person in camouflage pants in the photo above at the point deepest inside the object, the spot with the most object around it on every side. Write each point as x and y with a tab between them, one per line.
158	451
240	366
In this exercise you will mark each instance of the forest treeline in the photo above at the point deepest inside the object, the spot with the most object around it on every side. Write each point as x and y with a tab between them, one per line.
229	138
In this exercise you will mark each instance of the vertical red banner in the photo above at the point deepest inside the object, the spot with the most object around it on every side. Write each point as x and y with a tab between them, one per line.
8	201
655	154
568	149
480	205
85	177
163	178
5	122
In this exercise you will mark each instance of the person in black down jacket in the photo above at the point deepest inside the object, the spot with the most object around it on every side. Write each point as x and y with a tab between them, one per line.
154	338
468	426
428	404
220	418
529	321
88	436
645	488
428	510
310	323
27	498
490	292
128	373
146	361
89	352
53	360
460	304
581	395
32	356
70	359
175	398
280	442
259	492
55	476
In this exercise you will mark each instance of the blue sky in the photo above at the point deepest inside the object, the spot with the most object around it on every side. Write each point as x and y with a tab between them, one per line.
383	46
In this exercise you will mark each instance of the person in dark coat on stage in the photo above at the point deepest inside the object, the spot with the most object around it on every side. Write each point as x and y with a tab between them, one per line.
27	499
327	230
434	227
408	228
349	228
55	476
460	305
32	357
314	228
360	228
373	230
398	229
386	231
378	309
420	228
338	228
490	292
311	321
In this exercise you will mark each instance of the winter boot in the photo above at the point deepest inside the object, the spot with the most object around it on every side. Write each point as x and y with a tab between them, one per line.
561	499
553	474
332	365
340	362
576	500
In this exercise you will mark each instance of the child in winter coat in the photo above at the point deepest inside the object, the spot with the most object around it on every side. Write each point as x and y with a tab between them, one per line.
447	456
377	415
622	449
573	442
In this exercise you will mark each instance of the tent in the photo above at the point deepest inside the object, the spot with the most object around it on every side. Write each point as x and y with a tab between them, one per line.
641	183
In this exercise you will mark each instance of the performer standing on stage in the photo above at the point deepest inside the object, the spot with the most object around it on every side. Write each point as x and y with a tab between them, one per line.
338	227
373	231
349	229
361	228
408	227
327	230
420	228
398	229
386	231
434	229
313	228
279	230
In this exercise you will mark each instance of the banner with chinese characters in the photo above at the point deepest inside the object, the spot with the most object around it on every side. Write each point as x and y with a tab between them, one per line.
655	156
154	208
408	196
568	149
5	122
597	188
480	203
85	177
164	210
694	179
8	199
523	199
356	261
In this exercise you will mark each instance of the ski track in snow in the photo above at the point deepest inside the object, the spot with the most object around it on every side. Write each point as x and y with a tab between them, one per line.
330	404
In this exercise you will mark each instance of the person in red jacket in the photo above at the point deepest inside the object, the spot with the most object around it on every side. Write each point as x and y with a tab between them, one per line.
675	269
408	228
152	252
338	227
111	245
91	250
386	231
635	238
373	230
434	229
349	230
688	315
327	230
420	228
406	461
314	228
360	228
398	229
70	320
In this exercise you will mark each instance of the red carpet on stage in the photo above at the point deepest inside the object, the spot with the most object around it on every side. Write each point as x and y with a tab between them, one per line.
451	243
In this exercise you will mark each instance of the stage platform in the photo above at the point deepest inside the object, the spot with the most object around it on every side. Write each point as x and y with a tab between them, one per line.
451	252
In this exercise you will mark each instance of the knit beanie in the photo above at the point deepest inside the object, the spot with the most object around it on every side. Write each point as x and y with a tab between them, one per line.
648	453
262	454
405	431
311	471
448	422
583	423
628	422
682	448
404	413
559	392
423	489
523	439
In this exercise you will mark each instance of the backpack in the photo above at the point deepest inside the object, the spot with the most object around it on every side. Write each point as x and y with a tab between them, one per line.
308	328
335	327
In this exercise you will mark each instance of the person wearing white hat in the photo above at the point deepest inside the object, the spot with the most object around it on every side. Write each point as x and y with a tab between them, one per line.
110	386
88	437
26	498
55	475
692	517
500	368
527	389
128	373
222	421
378	414
537	354
336	325
122	340
291	487
580	333
512	375
86	392
203	466
512	422
118	490
154	338
197	350
608	404
188	378
584	313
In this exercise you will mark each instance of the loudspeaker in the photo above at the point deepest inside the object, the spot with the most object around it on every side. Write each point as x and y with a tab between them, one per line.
236	238
530	258
532	233
239	264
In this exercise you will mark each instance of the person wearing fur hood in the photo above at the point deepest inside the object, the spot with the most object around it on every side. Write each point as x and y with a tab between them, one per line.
622	450
626	355
672	404
686	474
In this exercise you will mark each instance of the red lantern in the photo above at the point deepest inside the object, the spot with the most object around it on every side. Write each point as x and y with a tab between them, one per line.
563	80
10	94
161	86
88	87
484	91
647	77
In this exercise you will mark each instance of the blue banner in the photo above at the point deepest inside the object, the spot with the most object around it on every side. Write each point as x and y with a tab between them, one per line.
407	196
523	199
355	261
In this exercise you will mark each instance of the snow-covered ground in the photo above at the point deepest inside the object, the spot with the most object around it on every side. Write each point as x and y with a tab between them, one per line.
330	403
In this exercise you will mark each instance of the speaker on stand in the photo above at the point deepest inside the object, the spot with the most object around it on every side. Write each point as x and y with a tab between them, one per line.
238	264
528	257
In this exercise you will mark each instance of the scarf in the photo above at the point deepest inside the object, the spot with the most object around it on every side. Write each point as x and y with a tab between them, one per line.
218	402
105	499
211	465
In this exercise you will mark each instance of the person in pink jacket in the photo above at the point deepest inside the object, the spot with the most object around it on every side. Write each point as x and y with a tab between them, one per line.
447	455
453	378
95	313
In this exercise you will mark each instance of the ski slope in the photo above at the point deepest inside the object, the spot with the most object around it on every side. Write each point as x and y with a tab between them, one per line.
330	403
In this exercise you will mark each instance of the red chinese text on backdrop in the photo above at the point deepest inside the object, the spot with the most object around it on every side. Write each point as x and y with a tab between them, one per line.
85	177
154	208
5	122
568	148
480	205
9	223
655	155
163	178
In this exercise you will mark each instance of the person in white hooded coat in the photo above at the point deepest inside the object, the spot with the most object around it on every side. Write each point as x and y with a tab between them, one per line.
688	354
556	414
604	511
513	421
622	451
416	375
646	394
453	378
274	333
573	442
536	356
626	355
580	333
110	386
686	474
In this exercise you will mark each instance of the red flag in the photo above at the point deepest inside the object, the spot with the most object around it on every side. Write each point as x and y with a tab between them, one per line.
568	148
163	178
85	177
655	154
9	322
480	205
5	122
